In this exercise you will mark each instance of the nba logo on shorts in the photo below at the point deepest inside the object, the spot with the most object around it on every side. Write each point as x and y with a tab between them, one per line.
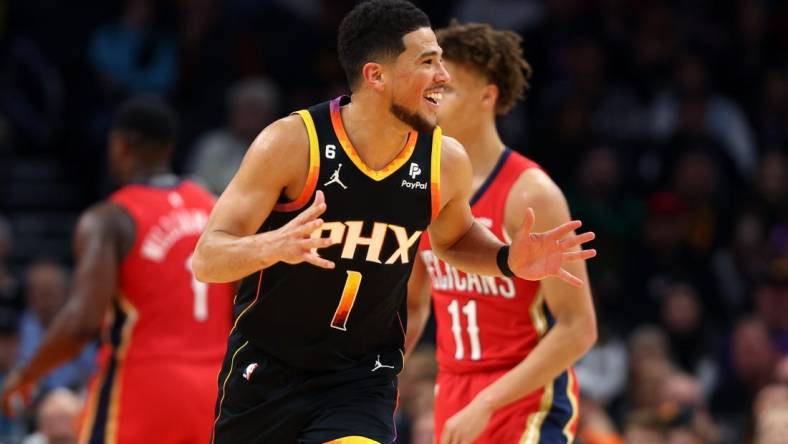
414	170
249	370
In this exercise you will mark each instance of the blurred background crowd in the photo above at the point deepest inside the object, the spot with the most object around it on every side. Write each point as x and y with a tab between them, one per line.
665	122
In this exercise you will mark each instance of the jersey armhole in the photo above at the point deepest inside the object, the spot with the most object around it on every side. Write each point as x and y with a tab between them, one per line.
314	167
435	173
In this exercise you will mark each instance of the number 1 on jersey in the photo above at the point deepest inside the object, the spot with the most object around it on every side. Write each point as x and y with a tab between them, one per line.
200	290
339	321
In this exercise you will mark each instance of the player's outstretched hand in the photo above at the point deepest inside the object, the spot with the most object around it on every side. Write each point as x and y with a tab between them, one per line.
16	394
535	256
292	243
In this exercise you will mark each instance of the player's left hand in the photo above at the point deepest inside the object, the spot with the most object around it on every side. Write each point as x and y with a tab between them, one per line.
467	424
535	256
17	393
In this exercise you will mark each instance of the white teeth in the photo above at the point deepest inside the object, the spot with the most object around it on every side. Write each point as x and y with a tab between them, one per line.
436	96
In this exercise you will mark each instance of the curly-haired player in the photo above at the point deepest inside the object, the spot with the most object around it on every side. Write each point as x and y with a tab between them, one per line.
505	345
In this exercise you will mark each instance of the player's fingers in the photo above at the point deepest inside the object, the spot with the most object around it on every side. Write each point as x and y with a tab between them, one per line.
307	228
317	208
528	222
316	260
574	241
569	278
317	242
562	230
578	255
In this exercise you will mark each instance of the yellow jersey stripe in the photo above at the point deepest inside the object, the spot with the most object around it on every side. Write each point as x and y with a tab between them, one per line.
437	139
314	166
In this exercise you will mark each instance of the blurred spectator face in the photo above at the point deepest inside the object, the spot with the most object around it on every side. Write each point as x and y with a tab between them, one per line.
781	373
772	178
46	290
8	349
655	39
681	310
598	174
461	107
5	240
682	435
771	302
750	19
649	366
137	13
664	226
690	75
770	397
754	356
695	176
635	434
692	115
58	416
646	344
584	63
682	389
772	426
253	105
648	382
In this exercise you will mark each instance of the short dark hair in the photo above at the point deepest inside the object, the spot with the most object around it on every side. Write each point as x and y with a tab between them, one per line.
375	29
494	54
148	120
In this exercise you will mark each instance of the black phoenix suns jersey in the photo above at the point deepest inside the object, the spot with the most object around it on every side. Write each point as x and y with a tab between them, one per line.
315	319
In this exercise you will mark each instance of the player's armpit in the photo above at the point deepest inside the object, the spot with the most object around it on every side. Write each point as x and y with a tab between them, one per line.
419	298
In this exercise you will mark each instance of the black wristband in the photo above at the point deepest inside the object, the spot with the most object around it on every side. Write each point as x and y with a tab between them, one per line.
503	261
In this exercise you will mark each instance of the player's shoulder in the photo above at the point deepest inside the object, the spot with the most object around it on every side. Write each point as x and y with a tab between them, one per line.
452	153
282	136
283	145
109	221
534	186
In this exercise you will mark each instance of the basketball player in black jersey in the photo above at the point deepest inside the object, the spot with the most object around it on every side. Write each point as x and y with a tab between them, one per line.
321	312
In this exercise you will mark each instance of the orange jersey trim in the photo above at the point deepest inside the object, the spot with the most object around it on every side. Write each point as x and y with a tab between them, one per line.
314	167
347	146
435	190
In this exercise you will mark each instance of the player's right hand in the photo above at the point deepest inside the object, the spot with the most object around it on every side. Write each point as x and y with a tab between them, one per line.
293	242
16	395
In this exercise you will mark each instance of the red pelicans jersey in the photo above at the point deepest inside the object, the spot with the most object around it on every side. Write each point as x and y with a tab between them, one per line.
485	323
159	298
163	343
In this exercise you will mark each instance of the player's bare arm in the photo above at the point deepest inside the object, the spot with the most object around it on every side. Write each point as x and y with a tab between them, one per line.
276	164
104	234
572	335
419	298
467	245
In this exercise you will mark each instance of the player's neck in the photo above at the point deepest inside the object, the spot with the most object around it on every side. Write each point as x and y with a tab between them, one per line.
484	147
377	135
151	174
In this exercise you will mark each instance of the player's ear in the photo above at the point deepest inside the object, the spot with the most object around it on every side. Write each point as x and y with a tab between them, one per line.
373	75
490	96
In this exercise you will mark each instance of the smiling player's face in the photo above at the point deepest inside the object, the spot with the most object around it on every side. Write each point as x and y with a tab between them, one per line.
419	77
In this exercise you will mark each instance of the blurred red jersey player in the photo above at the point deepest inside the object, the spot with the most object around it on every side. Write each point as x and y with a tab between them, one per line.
505	345
163	332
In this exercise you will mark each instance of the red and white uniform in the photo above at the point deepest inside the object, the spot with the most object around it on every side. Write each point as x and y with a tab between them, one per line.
165	339
487	325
